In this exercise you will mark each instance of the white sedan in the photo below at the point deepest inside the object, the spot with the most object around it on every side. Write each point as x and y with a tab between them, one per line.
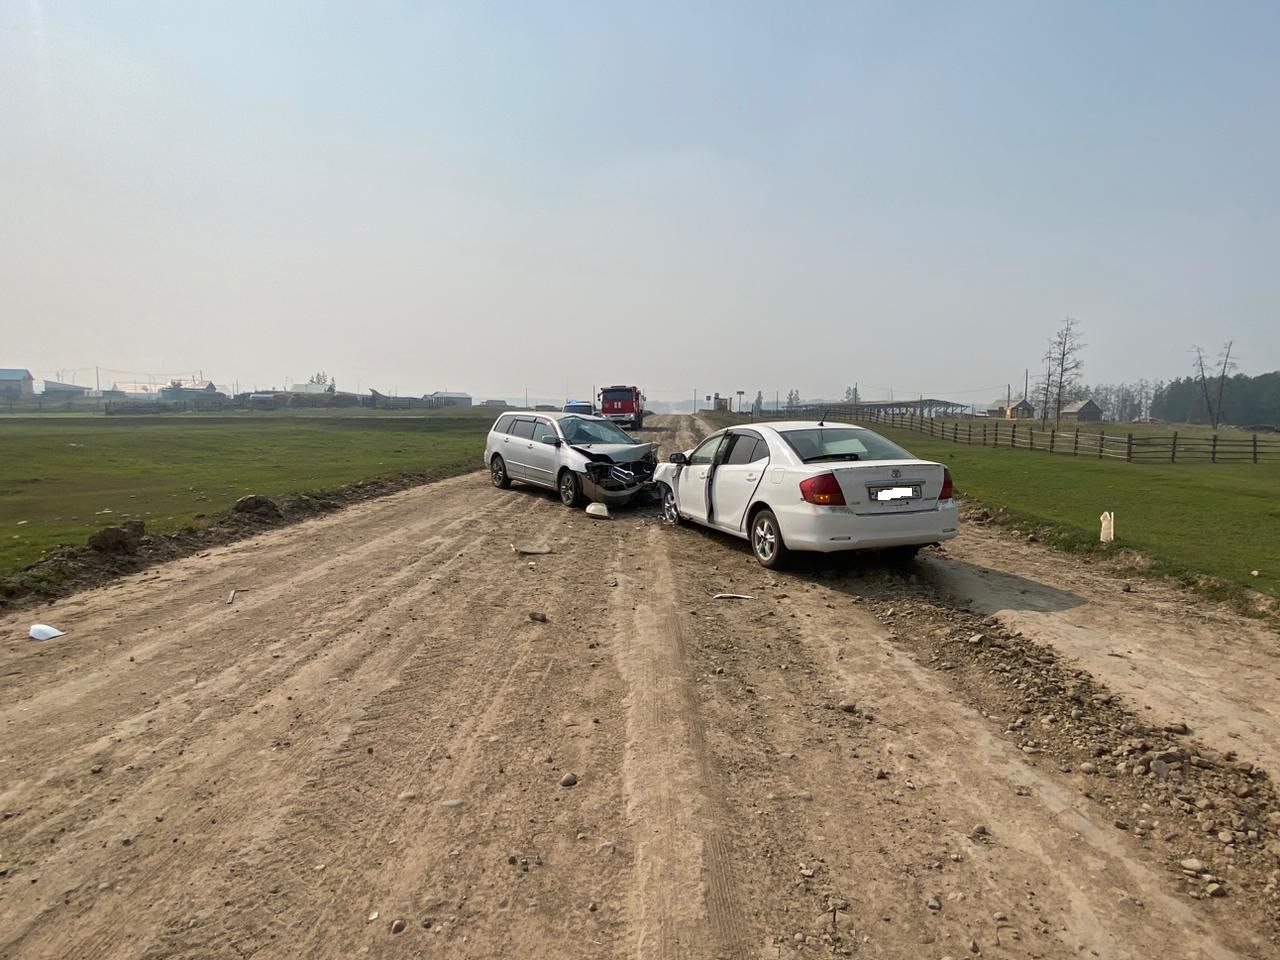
810	486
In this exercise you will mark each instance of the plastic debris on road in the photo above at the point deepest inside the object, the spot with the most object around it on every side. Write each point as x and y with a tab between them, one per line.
598	510
42	631
732	596
530	551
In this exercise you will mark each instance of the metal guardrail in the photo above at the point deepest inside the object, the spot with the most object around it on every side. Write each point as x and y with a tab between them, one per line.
1028	435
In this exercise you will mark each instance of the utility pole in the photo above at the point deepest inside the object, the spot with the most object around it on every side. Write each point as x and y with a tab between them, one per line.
97	380
1026	382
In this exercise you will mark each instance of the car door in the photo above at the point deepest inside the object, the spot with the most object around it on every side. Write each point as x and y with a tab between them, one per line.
515	449
543	458
691	484
740	466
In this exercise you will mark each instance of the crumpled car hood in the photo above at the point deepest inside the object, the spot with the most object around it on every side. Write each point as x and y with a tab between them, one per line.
618	452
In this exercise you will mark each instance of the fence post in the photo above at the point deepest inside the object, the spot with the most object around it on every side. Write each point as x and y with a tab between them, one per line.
1075	444
1213	450
1101	433
1013	436
1053	438
1255	448
1128	450
1255	441
1173	450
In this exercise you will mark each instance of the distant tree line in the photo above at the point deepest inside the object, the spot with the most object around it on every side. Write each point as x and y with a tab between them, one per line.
1244	400
1240	400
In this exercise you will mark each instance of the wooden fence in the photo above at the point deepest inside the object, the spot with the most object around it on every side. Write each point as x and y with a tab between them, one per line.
1072	442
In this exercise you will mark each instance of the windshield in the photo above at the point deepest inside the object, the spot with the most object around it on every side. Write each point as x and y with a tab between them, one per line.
617	394
841	443
580	431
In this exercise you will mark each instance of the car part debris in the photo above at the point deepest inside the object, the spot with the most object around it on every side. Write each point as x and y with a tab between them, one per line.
42	631
529	551
732	596
1108	527
598	510
231	598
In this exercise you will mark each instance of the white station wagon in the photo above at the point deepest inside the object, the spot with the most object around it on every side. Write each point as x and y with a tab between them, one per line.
815	486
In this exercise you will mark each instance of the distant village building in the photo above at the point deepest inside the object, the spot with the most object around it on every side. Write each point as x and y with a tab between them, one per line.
312	388
1011	410
495	403
53	390
133	391
16	384
444	398
191	390
1082	411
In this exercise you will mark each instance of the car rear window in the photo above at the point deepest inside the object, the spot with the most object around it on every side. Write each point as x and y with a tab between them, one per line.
841	443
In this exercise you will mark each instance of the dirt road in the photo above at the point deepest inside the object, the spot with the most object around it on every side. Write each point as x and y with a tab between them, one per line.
363	754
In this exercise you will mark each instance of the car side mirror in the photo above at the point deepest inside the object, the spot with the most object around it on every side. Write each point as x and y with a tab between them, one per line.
551	438
678	458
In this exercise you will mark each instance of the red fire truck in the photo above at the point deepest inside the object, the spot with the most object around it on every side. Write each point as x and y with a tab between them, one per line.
623	405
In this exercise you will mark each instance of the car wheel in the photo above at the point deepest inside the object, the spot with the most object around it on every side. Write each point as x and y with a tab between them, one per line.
498	473
670	512
766	541
570	489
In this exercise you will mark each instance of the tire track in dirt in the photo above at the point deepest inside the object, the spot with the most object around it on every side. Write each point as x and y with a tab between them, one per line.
685	900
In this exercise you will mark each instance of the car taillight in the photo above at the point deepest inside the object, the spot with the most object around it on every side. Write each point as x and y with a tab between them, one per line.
824	490
947	491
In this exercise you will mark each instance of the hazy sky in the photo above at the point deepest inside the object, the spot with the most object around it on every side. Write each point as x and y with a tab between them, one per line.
720	196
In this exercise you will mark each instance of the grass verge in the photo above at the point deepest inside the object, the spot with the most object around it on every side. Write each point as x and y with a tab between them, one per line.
1207	525
61	479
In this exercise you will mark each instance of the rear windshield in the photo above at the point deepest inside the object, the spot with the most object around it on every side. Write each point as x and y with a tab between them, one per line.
841	443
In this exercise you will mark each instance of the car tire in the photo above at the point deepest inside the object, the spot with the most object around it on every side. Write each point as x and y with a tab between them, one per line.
498	473
670	509
570	489
766	541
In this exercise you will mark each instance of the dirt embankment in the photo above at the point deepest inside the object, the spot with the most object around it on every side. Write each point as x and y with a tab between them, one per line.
116	551
364	753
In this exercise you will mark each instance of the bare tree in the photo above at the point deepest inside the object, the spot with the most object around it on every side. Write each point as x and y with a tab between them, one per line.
1227	366
1064	364
1044	386
1204	385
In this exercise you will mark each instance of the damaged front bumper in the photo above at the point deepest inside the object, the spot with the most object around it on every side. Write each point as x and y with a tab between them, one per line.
612	483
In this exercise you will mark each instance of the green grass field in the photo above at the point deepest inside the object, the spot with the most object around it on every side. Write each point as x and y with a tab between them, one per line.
1221	520
58	475
1217	519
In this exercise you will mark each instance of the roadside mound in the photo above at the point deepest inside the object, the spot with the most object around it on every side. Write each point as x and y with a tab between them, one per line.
118	551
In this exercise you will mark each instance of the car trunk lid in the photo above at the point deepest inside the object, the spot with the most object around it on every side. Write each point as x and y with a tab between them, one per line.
890	486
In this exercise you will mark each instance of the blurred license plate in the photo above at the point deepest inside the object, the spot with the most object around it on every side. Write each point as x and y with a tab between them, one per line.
890	494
